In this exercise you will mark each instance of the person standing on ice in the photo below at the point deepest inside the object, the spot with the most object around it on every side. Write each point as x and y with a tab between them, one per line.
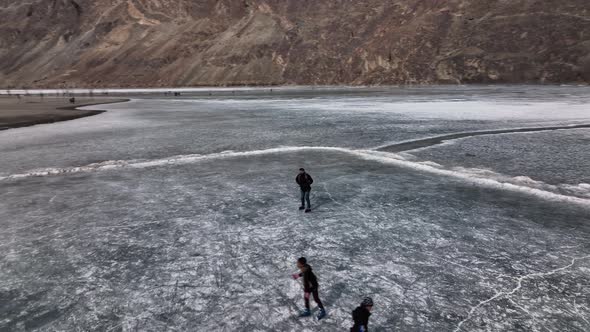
310	287
361	315
304	181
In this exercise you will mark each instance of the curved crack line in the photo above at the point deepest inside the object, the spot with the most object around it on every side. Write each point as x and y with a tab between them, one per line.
432	141
192	158
515	289
369	155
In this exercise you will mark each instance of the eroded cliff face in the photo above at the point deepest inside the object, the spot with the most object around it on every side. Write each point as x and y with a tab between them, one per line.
122	43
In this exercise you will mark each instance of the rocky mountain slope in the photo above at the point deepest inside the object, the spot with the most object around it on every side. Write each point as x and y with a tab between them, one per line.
122	43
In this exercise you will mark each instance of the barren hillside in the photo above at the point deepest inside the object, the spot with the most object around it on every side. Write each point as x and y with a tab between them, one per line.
123	43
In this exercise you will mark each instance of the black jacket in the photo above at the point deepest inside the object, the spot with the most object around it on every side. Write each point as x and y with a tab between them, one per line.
304	181
360	316
310	281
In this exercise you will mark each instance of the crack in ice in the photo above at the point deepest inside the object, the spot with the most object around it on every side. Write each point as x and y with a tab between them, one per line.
516	289
437	140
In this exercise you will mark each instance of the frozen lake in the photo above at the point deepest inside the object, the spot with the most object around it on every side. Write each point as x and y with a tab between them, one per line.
180	213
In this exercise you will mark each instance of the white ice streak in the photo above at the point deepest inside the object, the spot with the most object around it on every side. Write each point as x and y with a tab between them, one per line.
519	281
581	190
492	183
482	178
174	160
445	140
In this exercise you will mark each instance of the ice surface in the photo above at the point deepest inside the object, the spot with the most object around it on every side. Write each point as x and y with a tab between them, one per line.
182	214
211	245
555	158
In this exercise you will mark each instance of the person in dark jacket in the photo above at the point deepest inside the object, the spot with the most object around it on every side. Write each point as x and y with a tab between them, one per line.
361	315
304	181
310	287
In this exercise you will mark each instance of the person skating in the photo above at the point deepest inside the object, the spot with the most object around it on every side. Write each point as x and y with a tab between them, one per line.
304	181
361	315
310	287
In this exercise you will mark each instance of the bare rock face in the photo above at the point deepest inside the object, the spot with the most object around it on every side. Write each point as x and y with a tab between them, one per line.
124	43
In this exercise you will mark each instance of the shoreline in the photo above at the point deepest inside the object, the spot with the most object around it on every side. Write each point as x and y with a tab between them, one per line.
27	114
146	90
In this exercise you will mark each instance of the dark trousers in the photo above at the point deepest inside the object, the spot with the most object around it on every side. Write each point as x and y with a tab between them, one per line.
305	198
316	298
